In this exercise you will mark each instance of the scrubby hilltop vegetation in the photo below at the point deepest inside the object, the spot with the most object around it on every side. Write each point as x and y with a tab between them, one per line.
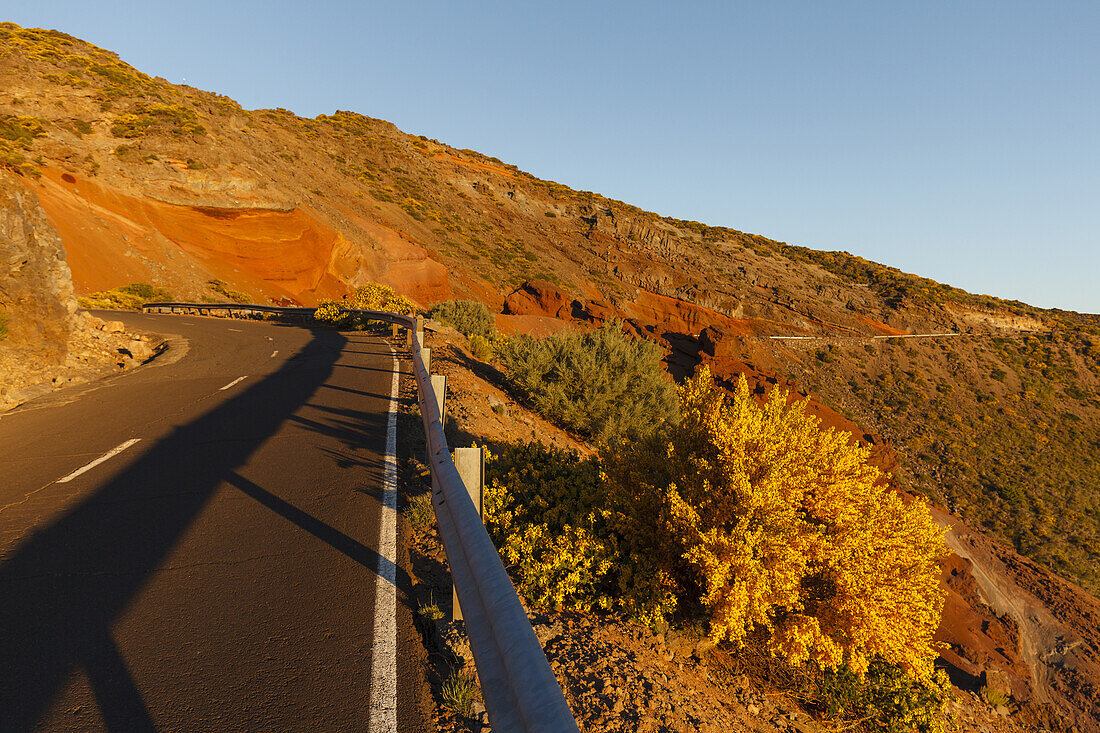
151	182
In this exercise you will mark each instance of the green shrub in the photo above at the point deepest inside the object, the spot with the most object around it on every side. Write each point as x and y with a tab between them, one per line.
887	699
3	326
235	296
21	130
467	316
372	297
482	347
148	293
126	297
544	511
17	134
176	119
81	127
599	383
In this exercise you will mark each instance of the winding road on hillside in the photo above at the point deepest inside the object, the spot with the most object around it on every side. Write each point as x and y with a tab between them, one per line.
207	543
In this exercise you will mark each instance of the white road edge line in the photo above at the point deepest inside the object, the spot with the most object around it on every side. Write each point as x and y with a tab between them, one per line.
383	687
238	380
105	457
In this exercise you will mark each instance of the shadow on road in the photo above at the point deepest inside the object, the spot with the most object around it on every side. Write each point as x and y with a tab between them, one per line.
63	588
331	536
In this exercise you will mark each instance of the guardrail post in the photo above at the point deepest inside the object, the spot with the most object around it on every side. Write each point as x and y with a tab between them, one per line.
426	354
439	387
470	463
420	330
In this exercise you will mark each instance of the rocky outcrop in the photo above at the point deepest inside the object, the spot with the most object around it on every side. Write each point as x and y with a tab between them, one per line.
45	342
538	298
36	292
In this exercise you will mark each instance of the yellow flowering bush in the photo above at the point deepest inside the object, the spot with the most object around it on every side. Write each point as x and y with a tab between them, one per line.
378	297
777	525
756	518
373	297
330	313
543	510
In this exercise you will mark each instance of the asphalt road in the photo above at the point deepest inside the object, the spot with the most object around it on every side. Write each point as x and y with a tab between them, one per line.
222	570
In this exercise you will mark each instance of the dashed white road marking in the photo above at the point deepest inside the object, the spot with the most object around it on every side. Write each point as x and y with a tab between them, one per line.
105	457
234	329
383	687
274	353
238	380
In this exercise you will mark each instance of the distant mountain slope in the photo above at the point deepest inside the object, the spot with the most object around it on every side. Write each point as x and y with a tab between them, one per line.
161	183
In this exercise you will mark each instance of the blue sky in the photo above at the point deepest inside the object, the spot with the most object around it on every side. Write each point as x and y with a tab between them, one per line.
960	141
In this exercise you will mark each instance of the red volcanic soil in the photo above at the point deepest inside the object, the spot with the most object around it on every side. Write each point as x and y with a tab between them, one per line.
112	238
881	328
532	325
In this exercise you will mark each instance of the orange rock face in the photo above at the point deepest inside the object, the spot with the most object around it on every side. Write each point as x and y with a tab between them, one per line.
112	238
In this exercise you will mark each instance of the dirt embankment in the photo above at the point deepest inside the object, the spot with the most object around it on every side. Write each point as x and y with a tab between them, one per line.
1051	653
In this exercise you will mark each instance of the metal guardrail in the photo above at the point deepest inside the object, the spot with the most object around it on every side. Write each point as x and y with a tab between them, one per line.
519	688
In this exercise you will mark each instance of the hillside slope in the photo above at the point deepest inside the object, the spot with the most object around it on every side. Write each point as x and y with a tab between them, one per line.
147	181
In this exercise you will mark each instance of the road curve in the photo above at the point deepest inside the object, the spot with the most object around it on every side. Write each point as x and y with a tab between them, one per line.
195	545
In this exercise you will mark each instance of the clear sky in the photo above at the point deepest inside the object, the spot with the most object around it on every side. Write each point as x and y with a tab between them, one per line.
956	140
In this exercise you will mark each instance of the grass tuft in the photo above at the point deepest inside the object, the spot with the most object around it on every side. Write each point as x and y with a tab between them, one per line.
459	693
420	512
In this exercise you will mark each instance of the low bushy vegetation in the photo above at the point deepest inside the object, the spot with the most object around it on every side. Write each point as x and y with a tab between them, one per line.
16	137
126	297
545	511
175	119
599	383
467	316
775	524
3	326
886	698
234	296
752	519
431	612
